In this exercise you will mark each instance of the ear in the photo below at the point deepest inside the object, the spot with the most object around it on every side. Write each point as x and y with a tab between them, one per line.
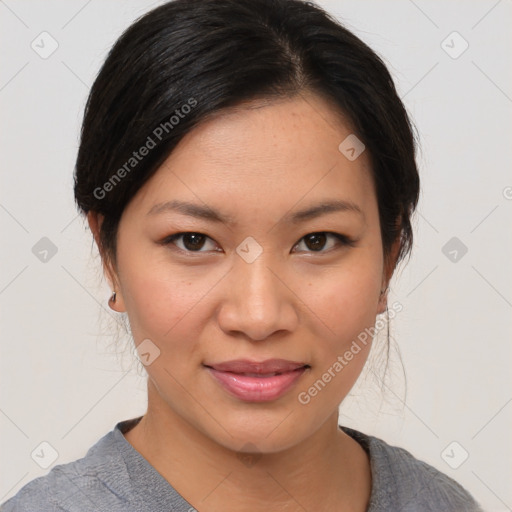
95	221
389	267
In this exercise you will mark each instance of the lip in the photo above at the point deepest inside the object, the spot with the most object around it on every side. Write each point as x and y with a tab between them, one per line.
257	381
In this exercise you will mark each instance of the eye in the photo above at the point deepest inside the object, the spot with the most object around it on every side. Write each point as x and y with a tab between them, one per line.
316	241
191	241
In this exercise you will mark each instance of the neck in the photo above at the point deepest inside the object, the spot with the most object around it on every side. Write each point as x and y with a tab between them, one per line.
325	471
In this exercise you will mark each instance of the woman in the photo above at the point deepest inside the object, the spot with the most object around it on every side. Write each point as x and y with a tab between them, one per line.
248	173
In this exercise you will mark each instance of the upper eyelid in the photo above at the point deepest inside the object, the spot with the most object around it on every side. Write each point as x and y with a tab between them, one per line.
340	237
170	239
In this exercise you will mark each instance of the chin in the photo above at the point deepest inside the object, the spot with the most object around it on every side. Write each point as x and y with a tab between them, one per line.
258	442
260	433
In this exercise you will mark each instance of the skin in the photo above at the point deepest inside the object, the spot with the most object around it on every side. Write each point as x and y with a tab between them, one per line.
296	301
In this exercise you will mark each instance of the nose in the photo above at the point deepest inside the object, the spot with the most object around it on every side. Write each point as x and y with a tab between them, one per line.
257	301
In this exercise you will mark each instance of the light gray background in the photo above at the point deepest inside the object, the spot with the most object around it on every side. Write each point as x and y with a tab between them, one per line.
61	379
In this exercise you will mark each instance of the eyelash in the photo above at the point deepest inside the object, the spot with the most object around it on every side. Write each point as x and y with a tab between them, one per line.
344	240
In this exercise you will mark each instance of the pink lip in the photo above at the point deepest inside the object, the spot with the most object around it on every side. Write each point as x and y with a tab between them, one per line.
254	381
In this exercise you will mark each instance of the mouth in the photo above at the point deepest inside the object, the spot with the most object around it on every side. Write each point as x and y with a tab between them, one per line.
254	381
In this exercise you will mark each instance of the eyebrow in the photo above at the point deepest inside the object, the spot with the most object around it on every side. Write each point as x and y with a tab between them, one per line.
204	212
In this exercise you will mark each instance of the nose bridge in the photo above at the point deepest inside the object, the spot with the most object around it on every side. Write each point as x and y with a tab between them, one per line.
257	302
261	285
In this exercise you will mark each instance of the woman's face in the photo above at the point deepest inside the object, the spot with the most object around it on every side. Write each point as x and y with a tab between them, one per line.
258	285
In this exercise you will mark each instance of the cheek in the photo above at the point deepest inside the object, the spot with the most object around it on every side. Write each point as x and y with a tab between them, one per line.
345	304
346	299
161	299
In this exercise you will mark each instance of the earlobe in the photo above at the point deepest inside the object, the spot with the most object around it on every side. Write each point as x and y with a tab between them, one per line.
115	302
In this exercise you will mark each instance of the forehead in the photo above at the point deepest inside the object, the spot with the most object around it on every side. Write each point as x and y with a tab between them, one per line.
279	130
263	153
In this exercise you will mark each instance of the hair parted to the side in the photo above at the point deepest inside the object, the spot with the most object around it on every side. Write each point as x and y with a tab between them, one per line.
188	60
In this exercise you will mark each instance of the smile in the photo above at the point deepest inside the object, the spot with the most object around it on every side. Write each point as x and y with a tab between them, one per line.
257	381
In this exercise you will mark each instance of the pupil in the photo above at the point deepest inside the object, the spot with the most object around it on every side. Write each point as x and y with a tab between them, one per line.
316	238
196	241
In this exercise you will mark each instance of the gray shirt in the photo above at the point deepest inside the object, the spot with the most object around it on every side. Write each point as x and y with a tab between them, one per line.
114	477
